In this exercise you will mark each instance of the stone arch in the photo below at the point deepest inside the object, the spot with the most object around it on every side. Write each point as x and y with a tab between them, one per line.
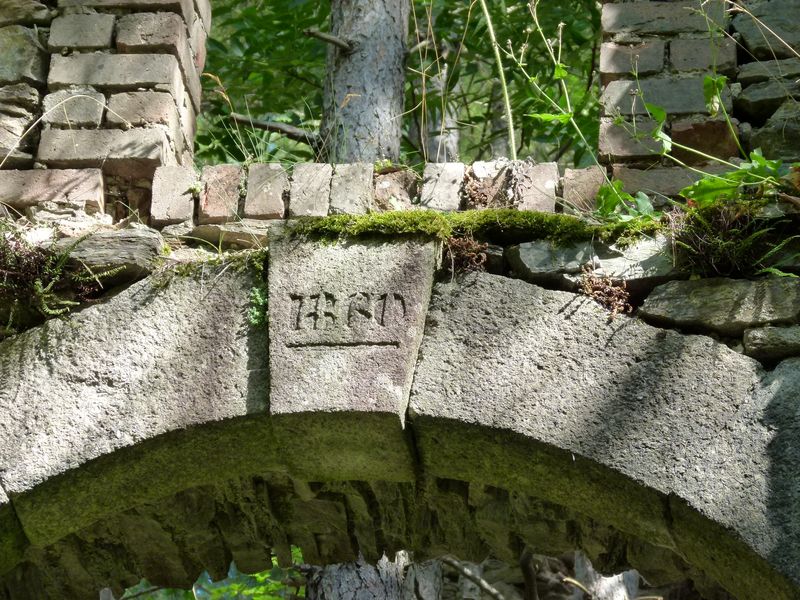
529	413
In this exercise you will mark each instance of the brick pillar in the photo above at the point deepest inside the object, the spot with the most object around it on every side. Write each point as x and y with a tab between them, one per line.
660	53
117	83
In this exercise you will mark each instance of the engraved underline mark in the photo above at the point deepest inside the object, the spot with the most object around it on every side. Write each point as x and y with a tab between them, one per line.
340	345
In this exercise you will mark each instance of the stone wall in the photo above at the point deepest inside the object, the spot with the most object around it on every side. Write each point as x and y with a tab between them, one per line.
109	90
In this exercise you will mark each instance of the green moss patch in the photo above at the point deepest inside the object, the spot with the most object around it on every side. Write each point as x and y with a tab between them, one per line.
502	226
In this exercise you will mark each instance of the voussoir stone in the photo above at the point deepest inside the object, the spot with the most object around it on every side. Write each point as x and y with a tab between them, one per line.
501	357
725	306
181	371
345	324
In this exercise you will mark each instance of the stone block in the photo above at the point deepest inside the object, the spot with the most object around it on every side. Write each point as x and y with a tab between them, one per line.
30	12
542	262
351	189
641	265
662	17
770	30
724	306
21	95
182	7
160	33
772	343
310	190
441	186
396	190
14	127
581	186
628	141
677	96
132	154
618	61
219	199
142	109
197	41
780	135
762	70
535	186
203	8
173	195
759	101
660	181
117	72
74	107
24	58
69	187
704	54
710	136
345	324
81	32
244	233
267	186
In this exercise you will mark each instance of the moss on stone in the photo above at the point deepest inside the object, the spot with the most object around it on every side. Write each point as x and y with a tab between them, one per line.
502	226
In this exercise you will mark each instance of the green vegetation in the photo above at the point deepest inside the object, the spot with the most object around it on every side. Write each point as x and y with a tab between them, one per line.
274	584
498	225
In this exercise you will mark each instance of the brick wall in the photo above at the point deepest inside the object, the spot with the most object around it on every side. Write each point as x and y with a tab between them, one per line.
116	84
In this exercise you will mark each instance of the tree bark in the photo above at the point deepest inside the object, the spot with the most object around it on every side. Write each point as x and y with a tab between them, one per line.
363	92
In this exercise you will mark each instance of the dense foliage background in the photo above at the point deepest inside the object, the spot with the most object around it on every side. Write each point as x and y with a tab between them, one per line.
260	64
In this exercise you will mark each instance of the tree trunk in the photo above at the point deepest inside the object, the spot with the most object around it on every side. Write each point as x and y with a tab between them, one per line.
441	133
385	581
363	93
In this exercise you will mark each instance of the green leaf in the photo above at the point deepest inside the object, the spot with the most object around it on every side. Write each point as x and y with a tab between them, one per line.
560	71
550	117
658	113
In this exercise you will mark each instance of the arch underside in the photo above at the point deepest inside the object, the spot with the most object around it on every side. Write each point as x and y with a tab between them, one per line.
531	419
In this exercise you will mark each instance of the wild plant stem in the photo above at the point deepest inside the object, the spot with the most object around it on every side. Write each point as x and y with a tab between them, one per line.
512	141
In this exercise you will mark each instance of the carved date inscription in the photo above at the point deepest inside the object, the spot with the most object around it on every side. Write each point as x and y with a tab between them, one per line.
352	317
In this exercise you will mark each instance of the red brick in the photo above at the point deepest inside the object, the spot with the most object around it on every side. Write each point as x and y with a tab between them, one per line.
219	200
182	7
710	136
82	187
173	199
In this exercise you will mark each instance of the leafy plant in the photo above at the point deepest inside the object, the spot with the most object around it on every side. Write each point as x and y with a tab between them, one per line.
614	204
258	311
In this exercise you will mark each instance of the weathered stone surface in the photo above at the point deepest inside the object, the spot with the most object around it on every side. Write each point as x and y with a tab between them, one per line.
134	250
24	60
773	32
544	262
182	7
99	406
132	153
642	264
14	124
780	136
351	189
81	32
345	324
13	540
70	187
704	54
29	12
441	186
74	107
117	72
726	306
676	95
660	181
486	185
662	17
219	199
21	95
628	141
310	190
173	195
396	190
712	137
581	186
636	398
618	61
760	100
244	233
139	109
157	33
772	343
267	184
535	186
762	70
